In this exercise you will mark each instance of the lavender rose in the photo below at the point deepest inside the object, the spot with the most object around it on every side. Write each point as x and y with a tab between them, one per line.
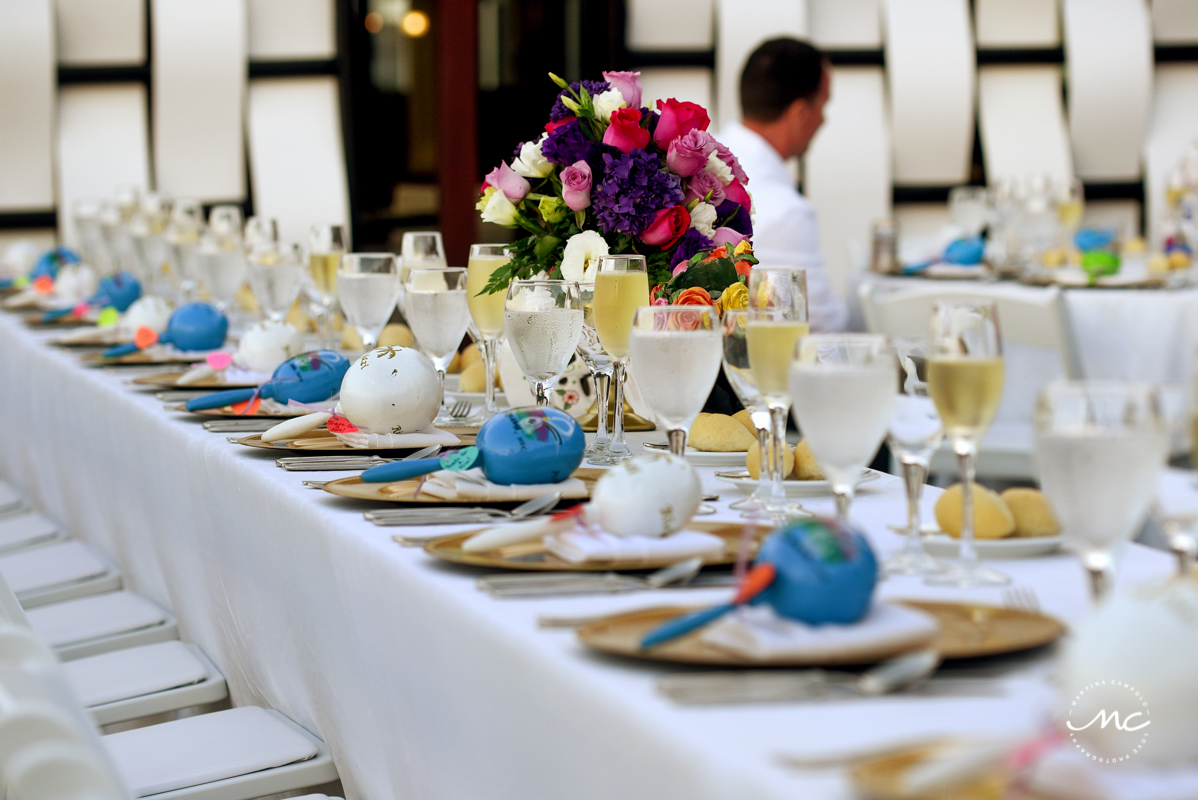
576	185
699	184
688	153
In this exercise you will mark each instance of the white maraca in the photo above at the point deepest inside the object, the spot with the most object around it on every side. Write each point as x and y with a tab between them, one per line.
75	283
651	495
391	390
151	312
268	344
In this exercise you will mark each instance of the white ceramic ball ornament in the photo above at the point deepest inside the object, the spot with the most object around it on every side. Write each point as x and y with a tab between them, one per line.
650	495
151	312
1146	638
391	390
268	344
75	283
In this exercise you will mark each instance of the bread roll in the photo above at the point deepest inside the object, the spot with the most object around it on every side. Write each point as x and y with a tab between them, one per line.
396	335
806	468
719	433
752	460
991	517
474	379
455	365
743	418
471	356
1032	512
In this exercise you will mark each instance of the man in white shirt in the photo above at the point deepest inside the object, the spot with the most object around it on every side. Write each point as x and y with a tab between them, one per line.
783	90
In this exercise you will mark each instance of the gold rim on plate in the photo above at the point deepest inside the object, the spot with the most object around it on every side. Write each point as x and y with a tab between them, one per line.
405	491
323	442
135	359
531	556
65	321
881	778
966	631
170	380
228	413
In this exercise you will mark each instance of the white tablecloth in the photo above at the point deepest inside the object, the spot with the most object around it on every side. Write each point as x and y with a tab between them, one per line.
423	686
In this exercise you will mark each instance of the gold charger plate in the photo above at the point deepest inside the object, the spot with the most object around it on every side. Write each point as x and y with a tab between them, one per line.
405	491
531	556
135	359
881	778
966	631
65	321
228	412
170	380
324	443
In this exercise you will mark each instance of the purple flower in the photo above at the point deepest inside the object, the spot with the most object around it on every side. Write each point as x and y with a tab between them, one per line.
691	242
634	188
699	184
559	110
688	154
568	145
731	214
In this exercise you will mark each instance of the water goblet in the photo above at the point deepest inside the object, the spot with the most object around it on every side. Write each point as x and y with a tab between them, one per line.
368	287
621	287
543	324
221	257
183	243
420	249
276	275
439	316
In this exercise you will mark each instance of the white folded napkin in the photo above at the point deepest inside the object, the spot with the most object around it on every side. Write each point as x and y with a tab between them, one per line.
1067	774
756	632
578	546
399	441
111	335
231	374
448	485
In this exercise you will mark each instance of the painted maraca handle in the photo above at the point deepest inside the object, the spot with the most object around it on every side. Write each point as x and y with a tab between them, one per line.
402	470
50	316
220	399
121	350
756	582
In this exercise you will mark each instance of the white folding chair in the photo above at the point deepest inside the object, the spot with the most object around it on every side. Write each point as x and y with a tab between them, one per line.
23	529
10	500
101	623
59	571
1035	331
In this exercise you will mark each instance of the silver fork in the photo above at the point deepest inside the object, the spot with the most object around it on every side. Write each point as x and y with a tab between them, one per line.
461	409
1021	598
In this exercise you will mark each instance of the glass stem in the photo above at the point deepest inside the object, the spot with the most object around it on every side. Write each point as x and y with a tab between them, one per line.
677	437
538	388
489	347
843	495
324	327
765	466
602	388
1100	570
914	475
965	457
774	455
618	446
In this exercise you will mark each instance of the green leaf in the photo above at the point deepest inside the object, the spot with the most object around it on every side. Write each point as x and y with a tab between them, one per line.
718	274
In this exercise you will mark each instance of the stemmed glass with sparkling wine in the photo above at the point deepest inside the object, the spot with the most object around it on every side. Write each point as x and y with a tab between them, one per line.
675	353
326	245
777	319
621	287
486	313
843	387
276	275
221	261
600	364
965	380
183	243
439	316
368	287
740	376
543	323
1100	449
915	433
420	249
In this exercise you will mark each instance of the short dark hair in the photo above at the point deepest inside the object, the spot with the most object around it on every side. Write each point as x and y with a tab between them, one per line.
777	73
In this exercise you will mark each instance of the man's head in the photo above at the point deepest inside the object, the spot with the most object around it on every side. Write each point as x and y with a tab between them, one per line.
783	90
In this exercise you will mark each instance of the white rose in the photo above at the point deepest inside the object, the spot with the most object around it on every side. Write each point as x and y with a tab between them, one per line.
531	164
703	219
500	210
718	169
606	103
580	261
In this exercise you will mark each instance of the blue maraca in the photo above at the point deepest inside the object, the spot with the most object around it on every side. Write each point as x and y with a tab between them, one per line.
815	571
519	446
119	291
306	378
51	260
195	326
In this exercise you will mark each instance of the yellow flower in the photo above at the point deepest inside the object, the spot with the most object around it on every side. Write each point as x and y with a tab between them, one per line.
734	297
484	198
742	248
553	209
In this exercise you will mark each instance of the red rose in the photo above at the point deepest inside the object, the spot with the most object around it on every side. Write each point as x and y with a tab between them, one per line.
736	192
625	131
678	119
667	227
550	127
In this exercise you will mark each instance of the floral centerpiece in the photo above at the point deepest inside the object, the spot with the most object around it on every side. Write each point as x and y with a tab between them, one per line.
609	176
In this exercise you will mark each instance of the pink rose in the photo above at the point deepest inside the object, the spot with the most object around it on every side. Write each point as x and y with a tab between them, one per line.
679	268
625	131
700	184
688	154
678	119
505	179
726	156
628	84
576	185
735	191
661	301
550	127
667	227
728	236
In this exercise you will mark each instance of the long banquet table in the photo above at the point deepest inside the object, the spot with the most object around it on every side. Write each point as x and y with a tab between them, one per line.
423	686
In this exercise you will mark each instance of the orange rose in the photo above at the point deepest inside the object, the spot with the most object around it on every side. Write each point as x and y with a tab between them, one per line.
694	296
719	252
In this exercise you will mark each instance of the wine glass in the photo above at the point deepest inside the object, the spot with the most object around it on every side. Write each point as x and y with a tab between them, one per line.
86	216
777	319
675	353
148	229
600	364
1071	198
486	313
543	323
621	287
439	316
261	232
221	259
740	376
326	245
968	207
276	275
843	387
1100	449
114	224
965	380
915	433
368	287
420	249
183	243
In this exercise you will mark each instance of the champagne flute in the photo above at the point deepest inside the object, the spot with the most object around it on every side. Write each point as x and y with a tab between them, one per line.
965	380
221	259
543	323
486	313
420	249
1071	199
601	367
439	316
740	376
148	229
915	433
276	275
1100	449
368	287
183	242
777	319
675	354
326	245
843	387
621	287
